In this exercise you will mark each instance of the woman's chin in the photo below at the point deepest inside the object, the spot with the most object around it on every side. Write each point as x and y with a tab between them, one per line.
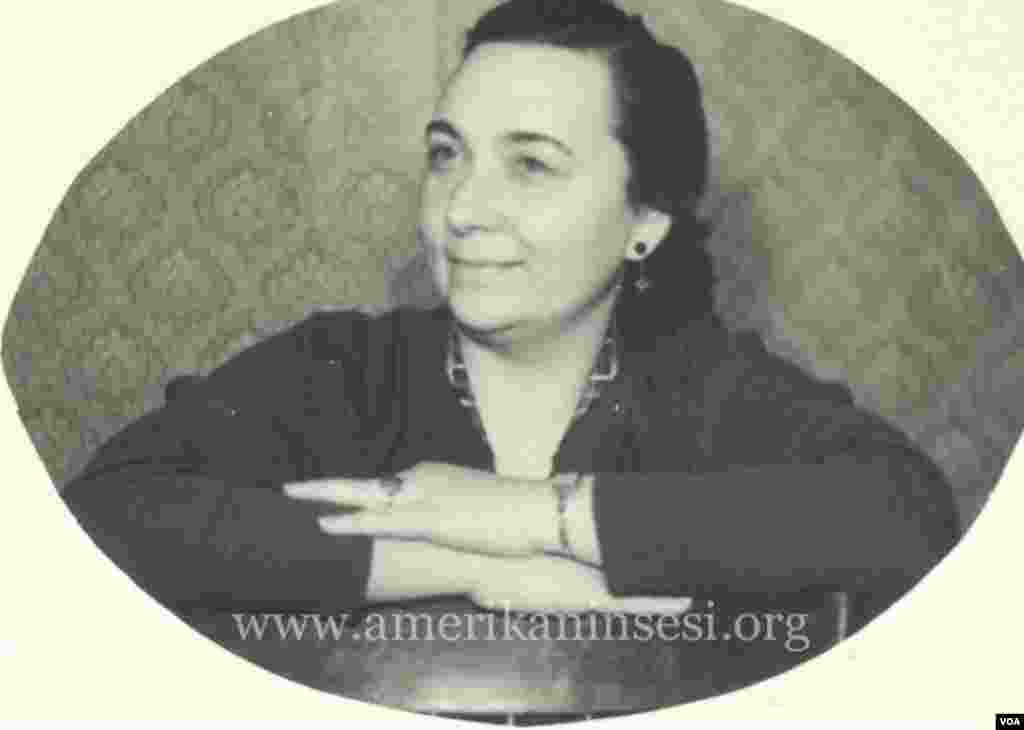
485	317
482	323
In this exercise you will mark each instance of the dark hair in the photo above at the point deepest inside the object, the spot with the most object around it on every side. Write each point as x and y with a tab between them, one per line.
661	123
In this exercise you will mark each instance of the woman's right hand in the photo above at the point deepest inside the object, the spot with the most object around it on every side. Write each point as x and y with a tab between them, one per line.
409	569
551	584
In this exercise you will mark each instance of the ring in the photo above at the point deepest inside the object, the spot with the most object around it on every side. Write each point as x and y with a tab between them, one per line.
392	484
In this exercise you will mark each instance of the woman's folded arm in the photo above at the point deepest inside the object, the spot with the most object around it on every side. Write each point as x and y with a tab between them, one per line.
848	523
794	488
195	535
187	499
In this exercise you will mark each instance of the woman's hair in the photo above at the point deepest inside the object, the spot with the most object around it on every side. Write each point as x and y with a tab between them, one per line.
659	120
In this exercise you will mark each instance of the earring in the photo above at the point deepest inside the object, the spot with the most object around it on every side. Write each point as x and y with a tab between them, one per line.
640	282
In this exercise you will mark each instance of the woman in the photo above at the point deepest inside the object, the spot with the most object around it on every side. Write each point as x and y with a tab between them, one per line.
573	431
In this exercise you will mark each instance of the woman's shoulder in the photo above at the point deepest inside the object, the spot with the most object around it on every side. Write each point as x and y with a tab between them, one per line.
346	339
748	404
706	354
340	335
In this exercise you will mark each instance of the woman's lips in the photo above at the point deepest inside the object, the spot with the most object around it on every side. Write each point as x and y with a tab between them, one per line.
482	263
474	273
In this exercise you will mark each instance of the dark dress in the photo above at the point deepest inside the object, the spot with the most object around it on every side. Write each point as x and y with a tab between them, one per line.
722	472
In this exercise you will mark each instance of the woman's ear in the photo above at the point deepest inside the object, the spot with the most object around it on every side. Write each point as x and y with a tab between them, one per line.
651	228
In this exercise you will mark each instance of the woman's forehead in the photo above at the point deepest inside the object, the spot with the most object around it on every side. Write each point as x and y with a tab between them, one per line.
502	87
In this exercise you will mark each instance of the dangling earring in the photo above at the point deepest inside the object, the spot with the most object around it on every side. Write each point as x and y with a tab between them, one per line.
640	282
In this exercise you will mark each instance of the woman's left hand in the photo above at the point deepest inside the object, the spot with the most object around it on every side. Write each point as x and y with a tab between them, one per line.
454	506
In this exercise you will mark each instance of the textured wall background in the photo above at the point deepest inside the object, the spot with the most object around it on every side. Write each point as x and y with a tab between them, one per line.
281	177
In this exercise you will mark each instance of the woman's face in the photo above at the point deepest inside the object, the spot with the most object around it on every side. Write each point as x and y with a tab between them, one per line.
524	206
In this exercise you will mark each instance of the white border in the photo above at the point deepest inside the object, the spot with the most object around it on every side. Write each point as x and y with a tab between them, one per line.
77	640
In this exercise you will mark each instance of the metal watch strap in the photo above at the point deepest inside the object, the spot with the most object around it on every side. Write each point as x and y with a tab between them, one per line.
565	486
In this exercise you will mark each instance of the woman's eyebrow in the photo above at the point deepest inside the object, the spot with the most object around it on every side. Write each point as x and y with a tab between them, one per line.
441	126
537	137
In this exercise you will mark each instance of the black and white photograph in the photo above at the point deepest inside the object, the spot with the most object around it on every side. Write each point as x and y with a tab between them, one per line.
523	362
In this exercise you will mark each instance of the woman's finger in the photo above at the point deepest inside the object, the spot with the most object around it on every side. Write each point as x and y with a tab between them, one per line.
643	605
393	523
366	493
612	606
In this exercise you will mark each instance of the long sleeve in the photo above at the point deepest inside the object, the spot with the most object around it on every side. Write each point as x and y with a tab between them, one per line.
796	489
187	499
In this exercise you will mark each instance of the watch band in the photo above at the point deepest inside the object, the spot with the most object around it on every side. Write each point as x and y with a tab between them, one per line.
565	486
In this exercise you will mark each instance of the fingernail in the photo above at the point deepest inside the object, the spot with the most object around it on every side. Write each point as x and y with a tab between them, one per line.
334	524
303	488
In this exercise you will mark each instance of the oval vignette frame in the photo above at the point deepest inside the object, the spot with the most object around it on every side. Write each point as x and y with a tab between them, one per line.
75	285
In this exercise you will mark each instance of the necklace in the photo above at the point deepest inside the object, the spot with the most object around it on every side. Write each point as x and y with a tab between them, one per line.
605	370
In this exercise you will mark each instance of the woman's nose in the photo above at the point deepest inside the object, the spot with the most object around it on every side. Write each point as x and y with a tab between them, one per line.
474	204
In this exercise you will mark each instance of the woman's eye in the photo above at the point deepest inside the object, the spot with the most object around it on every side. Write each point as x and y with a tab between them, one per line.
440	155
533	166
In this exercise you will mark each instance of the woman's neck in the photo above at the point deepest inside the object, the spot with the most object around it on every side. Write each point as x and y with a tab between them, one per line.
527	394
